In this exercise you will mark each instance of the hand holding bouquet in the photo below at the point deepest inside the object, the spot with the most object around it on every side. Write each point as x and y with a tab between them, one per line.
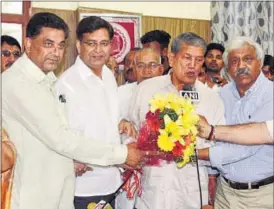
170	127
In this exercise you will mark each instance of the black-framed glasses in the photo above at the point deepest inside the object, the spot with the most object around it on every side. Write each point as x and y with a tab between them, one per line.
7	53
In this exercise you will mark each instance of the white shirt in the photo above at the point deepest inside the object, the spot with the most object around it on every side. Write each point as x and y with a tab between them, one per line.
92	105
215	87
167	186
35	121
270	127
125	93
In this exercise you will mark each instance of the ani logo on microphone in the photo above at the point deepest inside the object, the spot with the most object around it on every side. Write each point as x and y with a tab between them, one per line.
193	95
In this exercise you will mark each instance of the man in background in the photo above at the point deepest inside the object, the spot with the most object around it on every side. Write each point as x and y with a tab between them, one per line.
10	51
129	74
147	64
214	64
159	41
268	67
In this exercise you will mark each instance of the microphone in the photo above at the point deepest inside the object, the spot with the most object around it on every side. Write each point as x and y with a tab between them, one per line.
189	93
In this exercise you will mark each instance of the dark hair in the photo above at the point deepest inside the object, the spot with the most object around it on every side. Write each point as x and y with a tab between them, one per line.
10	41
45	20
91	24
214	46
268	60
159	36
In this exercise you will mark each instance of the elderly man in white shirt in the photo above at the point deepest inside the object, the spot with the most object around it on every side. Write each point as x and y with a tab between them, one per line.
147	64
90	90
167	186
36	122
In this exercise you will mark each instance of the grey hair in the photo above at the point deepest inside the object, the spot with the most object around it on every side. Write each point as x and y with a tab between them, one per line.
188	38
147	50
238	42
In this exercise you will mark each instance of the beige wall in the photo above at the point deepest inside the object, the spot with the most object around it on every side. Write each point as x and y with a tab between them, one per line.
191	10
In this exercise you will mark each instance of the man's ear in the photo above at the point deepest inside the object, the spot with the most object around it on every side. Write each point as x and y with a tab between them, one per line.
171	57
78	46
27	44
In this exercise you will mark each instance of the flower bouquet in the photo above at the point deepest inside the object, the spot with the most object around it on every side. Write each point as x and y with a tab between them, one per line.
169	127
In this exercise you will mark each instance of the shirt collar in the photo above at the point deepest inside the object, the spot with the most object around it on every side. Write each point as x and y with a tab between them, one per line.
35	72
86	72
256	85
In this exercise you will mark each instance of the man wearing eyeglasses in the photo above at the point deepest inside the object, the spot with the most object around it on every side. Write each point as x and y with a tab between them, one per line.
147	64
10	51
90	90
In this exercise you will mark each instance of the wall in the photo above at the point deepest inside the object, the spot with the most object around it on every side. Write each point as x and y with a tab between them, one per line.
191	10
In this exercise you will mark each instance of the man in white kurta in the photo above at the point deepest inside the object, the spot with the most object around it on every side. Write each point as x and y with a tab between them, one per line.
35	120
92	106
167	186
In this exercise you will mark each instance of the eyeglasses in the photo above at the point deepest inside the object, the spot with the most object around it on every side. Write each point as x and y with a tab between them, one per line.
151	65
7	53
94	44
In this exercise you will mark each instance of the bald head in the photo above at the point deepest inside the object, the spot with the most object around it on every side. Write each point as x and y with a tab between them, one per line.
147	64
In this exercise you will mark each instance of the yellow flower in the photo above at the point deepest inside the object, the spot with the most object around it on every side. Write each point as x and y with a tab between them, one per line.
157	102
189	151
171	128
164	142
189	119
187	105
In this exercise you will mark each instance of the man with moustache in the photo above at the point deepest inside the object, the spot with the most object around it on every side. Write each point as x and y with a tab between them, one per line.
214	66
246	171
167	186
38	127
90	90
10	51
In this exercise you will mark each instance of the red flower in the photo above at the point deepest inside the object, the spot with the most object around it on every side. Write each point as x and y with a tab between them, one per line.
153	120
178	149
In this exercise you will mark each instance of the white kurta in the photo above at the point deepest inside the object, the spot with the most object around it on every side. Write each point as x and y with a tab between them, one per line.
34	119
92	107
125	93
168	187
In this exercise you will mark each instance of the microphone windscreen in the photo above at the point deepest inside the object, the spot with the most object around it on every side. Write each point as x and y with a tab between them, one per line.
187	88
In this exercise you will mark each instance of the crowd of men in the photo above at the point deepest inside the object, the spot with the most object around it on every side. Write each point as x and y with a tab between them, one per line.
70	138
